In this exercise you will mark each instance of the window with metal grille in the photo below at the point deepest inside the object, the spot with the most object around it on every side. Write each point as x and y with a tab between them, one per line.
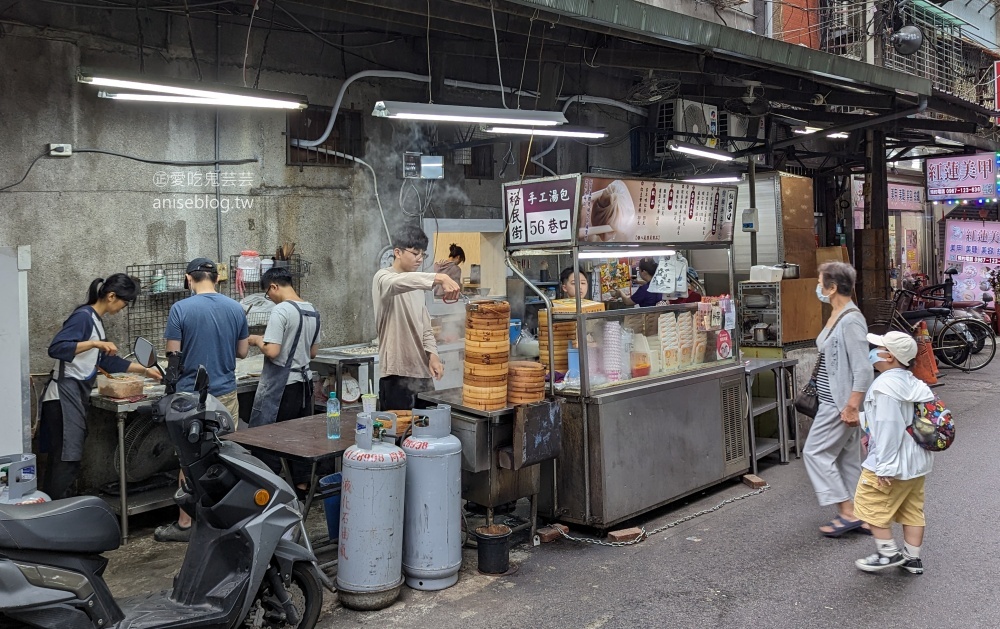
347	136
480	165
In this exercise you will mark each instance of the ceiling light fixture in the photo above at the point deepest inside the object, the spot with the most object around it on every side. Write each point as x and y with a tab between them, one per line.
625	253
838	136
700	151
560	132
719	179
461	113
190	92
806	130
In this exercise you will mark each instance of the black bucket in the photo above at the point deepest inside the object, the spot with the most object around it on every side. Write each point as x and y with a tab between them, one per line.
493	546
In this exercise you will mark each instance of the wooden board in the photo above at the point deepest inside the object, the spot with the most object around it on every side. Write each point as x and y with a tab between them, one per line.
801	312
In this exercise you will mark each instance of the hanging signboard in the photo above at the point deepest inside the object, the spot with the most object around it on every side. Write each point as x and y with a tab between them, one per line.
972	247
900	196
655	211
541	212
962	177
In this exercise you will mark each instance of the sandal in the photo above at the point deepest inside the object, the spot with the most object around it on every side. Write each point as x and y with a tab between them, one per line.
841	526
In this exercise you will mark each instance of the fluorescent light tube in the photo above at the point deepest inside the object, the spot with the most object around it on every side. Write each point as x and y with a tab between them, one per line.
625	253
196	93
461	113
720	179
838	136
807	130
700	151
560	132
189	100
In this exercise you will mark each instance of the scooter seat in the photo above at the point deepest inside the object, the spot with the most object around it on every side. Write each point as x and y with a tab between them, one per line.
968	304
85	524
930	313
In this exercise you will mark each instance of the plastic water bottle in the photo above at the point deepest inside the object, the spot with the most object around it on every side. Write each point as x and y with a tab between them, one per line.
333	417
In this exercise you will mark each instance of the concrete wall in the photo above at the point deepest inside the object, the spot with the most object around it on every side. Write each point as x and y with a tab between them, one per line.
91	215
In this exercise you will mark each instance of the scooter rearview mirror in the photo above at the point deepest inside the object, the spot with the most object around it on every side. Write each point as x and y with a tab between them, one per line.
201	384
145	353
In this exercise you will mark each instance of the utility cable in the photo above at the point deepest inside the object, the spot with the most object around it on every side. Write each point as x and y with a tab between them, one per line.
246	51
430	76
496	42
194	52
263	50
30	166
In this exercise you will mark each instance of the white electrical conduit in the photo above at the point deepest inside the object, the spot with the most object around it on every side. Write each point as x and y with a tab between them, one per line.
313	145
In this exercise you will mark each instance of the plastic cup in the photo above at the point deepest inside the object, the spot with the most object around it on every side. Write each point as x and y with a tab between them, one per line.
368	402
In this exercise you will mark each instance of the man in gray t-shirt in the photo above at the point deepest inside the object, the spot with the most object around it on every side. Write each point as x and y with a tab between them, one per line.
288	343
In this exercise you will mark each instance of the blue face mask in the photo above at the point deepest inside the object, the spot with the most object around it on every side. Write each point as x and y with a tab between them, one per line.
820	296
873	356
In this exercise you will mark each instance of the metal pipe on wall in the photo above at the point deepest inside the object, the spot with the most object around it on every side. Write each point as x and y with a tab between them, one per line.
752	180
218	189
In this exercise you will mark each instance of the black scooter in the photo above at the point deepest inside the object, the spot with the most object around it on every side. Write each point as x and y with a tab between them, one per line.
241	568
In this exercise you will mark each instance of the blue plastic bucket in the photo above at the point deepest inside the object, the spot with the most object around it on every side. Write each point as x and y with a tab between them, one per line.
331	505
515	330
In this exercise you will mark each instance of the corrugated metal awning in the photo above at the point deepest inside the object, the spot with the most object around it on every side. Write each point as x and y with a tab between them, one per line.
689	33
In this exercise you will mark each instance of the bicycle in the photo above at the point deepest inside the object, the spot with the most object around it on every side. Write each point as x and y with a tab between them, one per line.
943	293
963	343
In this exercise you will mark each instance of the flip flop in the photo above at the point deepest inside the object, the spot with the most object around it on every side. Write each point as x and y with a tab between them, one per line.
845	526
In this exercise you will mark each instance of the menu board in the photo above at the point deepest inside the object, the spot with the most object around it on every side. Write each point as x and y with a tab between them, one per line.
540	212
972	247
655	211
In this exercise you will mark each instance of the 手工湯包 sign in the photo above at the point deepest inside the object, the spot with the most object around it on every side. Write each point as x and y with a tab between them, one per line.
962	177
972	247
541	212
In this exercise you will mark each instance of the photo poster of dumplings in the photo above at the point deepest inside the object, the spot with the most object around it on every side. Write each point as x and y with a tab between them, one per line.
972	247
614	276
655	211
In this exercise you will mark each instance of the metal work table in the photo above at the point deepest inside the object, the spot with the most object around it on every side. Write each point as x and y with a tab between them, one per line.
155	498
485	481
783	402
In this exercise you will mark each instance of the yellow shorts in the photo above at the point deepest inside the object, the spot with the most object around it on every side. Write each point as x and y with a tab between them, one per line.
902	501
232	403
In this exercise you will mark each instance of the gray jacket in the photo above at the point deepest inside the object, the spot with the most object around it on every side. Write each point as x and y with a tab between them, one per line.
846	352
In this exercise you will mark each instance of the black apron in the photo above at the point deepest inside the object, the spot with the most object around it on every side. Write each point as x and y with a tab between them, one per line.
274	378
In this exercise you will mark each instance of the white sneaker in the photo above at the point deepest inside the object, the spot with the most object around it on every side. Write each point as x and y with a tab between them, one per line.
877	562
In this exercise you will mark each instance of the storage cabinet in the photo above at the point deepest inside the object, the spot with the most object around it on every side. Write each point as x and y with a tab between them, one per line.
791	313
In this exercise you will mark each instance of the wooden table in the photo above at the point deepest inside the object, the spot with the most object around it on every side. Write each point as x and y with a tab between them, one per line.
302	439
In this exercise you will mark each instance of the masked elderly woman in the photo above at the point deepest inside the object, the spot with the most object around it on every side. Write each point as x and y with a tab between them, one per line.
832	450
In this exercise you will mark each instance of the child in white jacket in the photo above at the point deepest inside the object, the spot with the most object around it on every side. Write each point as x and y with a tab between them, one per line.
892	478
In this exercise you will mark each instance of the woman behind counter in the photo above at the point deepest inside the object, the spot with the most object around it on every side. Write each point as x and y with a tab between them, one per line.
571	280
79	348
449	266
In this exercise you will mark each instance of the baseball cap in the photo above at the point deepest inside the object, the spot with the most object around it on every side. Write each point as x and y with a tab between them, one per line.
901	345
201	264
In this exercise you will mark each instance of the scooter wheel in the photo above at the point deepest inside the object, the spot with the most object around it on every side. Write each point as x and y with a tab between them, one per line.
307	596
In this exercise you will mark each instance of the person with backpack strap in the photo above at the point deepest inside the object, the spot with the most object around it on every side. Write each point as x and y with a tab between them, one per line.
891	487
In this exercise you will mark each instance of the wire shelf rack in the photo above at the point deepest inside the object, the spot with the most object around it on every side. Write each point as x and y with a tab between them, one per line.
240	285
147	316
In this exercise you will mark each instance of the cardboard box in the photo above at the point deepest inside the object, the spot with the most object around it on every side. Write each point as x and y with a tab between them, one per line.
832	254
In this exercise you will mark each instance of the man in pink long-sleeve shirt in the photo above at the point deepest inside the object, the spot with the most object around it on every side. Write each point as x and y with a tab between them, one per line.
407	351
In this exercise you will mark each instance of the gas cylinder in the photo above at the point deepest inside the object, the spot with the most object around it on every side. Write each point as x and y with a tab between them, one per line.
369	570
432	534
19	480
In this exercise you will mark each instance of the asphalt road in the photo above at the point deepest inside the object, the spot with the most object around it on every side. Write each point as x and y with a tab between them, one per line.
759	562
755	563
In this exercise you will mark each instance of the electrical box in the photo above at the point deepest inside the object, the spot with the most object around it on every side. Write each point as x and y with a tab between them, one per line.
750	220
411	165
431	167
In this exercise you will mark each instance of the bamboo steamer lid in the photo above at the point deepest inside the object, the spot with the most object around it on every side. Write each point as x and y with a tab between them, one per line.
526	366
487	307
488	335
478	369
487	346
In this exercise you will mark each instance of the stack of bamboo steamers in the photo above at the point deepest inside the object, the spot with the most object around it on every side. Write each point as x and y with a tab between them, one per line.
487	351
